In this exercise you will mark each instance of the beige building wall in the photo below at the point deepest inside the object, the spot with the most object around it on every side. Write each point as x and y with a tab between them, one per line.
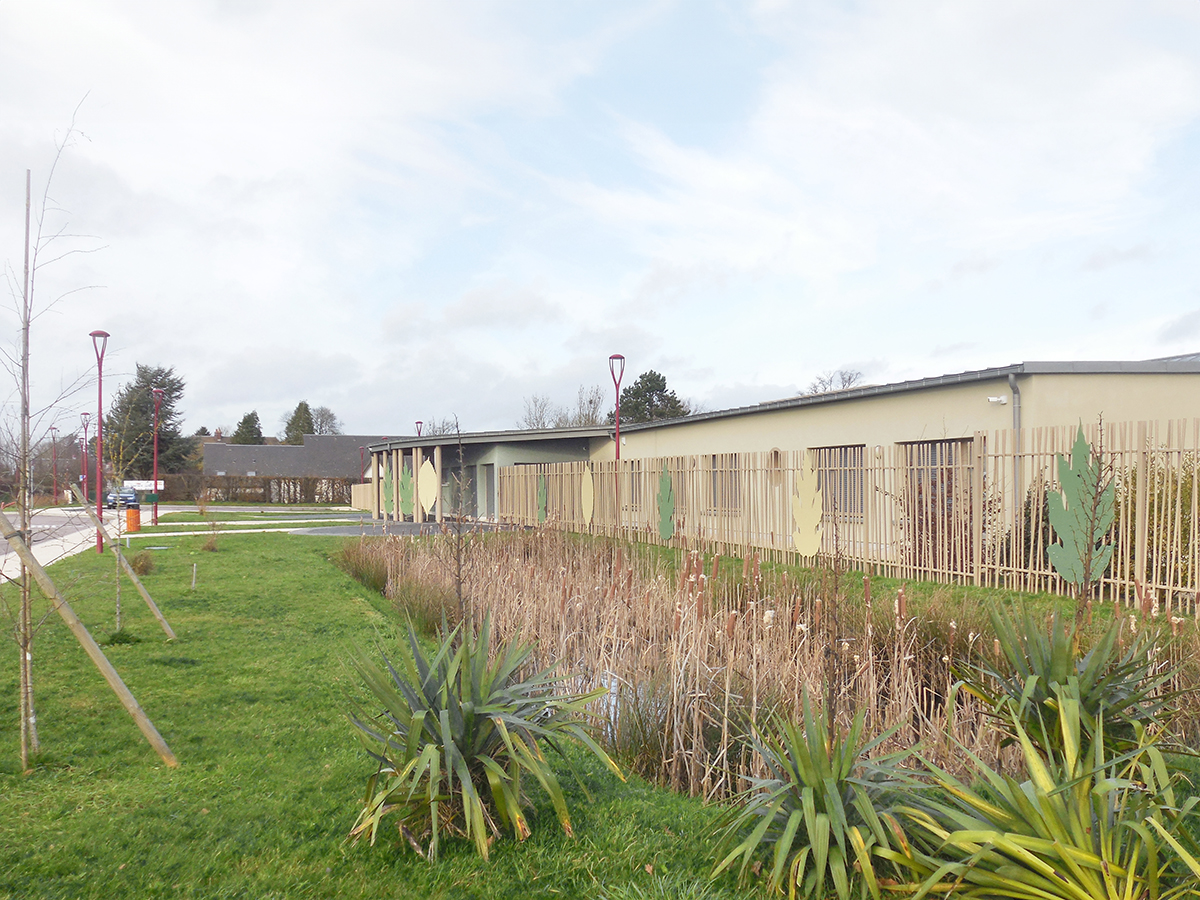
1127	397
927	414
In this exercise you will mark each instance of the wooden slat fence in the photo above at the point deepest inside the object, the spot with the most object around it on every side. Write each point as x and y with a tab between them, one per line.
967	510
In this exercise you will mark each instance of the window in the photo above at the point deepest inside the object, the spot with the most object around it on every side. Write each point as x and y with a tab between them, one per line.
937	502
840	475
725	484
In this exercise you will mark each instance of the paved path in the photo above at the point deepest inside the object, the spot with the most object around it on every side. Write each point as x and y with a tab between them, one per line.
58	532
63	531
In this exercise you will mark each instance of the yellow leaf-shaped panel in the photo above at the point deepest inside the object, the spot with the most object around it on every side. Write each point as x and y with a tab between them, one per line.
806	509
427	486
587	494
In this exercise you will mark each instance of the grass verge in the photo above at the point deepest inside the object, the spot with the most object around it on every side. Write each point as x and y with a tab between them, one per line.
252	700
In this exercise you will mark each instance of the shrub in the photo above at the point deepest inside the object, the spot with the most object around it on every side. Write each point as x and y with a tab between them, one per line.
1127	686
1087	824
457	734
142	563
818	821
365	562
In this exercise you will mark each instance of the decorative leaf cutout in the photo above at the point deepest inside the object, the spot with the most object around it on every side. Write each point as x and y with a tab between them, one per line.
666	505
542	498
389	500
428	488
406	492
587	494
1081	514
807	506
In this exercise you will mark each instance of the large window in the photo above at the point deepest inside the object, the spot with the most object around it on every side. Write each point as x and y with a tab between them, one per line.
840	475
725	483
937	502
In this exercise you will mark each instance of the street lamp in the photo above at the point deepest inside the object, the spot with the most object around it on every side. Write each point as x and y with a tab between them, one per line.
419	424
86	419
99	343
158	395
54	456
616	368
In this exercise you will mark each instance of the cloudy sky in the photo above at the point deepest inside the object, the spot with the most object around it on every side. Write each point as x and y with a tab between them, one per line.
408	210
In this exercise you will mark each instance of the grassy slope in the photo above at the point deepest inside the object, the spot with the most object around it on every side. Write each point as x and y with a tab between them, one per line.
251	699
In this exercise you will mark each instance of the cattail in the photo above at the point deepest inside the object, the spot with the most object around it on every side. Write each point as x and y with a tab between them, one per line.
730	624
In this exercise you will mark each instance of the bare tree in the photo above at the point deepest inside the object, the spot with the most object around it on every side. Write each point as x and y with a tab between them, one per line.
834	380
589	409
325	421
43	247
433	427
542	412
539	412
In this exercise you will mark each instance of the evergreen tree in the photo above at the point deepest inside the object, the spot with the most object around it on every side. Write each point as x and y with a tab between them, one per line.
298	424
648	400
129	426
249	430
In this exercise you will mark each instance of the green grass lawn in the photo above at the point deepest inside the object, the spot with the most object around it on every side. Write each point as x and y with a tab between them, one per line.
251	700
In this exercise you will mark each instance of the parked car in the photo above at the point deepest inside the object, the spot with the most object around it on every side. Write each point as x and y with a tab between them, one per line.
126	498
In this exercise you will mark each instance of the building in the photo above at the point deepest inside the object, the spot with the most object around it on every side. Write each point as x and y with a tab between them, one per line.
939	415
943	478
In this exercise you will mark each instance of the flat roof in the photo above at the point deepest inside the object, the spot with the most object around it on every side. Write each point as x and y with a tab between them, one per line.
1185	364
507	436
1188	363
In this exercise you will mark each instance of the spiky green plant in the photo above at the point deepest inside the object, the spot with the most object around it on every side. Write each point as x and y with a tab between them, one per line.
1087	825
817	823
457	733
1128	686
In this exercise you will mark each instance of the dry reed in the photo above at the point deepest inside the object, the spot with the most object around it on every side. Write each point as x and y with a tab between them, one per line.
690	658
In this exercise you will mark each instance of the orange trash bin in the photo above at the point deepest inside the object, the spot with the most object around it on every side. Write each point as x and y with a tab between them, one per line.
133	519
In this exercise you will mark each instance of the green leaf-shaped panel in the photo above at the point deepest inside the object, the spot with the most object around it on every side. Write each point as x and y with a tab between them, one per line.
1081	513
666	505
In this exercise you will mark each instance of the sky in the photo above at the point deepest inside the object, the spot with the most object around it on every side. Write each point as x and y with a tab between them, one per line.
416	210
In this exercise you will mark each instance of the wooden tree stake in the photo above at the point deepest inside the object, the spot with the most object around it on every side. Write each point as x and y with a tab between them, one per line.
137	582
17	542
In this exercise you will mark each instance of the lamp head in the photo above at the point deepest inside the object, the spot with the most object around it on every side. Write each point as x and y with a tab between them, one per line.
616	368
99	342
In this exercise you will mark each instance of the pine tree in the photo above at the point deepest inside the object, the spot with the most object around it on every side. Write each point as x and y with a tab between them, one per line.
298	424
648	400
249	430
129	425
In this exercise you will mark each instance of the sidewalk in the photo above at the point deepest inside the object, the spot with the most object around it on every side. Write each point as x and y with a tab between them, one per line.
58	532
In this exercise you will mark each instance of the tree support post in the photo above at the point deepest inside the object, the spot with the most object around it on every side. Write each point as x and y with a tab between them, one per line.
17	542
137	582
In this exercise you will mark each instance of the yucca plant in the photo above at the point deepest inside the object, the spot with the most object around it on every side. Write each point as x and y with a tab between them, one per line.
458	732
1127	686
816	824
1088	824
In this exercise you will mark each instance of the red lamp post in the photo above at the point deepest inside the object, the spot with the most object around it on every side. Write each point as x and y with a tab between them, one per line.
158	395
86	418
54	456
99	343
616	368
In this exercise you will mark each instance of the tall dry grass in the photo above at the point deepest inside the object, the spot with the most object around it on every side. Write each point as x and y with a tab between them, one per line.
691	657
